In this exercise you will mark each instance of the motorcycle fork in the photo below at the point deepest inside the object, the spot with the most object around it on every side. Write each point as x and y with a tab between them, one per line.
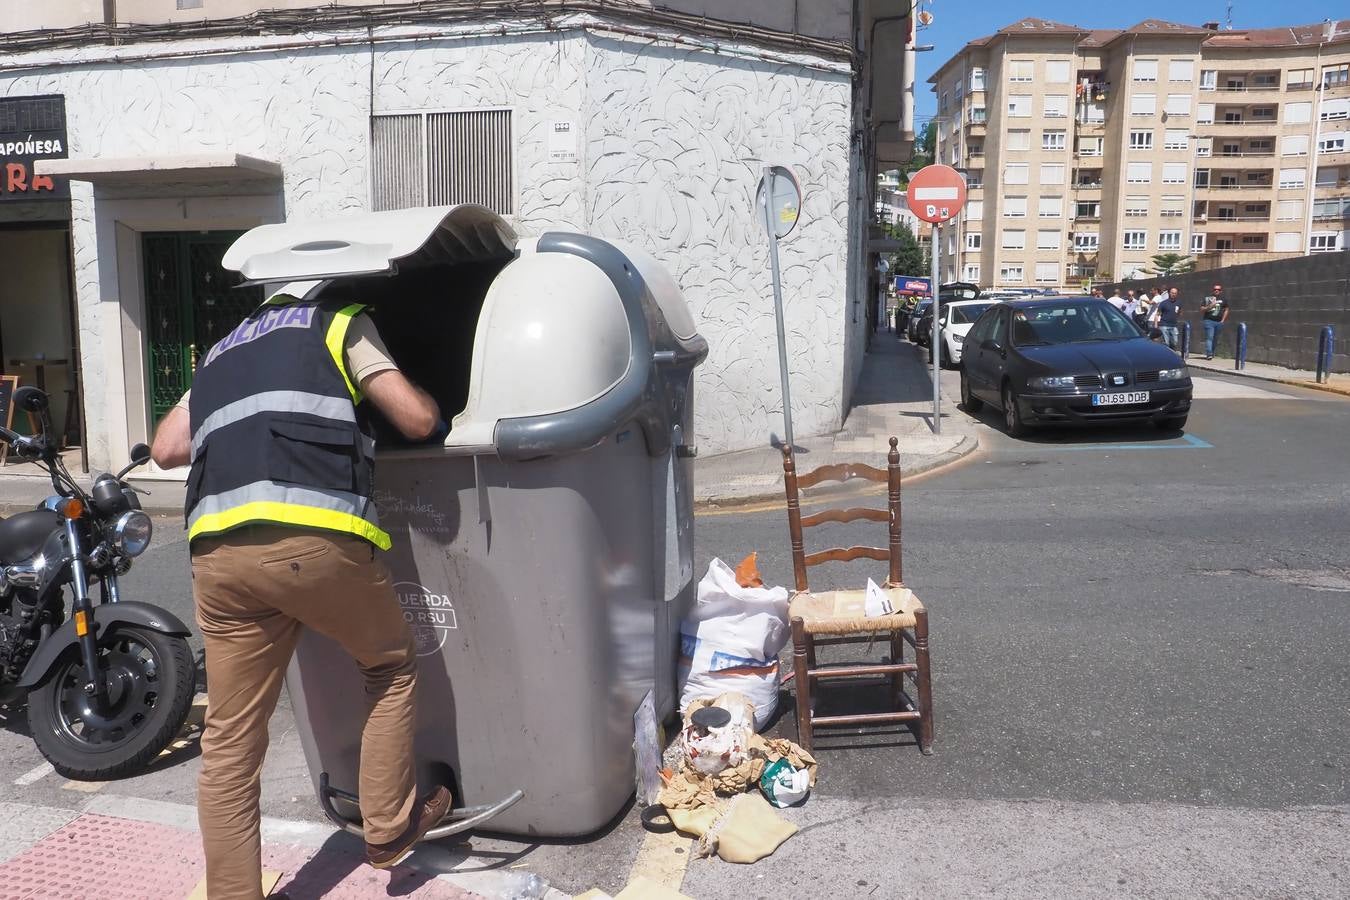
96	686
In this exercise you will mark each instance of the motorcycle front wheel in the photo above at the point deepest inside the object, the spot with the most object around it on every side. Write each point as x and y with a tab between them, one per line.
151	679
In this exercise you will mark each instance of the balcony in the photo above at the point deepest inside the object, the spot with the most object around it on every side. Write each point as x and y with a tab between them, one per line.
1239	181
1243	84
1227	159
1235	224
1243	118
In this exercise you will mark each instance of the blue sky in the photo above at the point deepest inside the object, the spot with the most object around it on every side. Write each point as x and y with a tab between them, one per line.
957	21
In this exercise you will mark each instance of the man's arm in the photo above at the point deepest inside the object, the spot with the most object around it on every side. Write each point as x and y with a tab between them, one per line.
407	407
1224	317
172	446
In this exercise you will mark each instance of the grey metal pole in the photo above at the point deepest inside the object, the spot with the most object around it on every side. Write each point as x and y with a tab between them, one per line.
937	351
778	303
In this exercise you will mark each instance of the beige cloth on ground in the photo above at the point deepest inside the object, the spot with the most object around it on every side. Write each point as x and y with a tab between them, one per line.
743	829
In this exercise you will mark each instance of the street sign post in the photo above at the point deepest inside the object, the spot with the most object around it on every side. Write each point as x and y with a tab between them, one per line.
936	194
779	200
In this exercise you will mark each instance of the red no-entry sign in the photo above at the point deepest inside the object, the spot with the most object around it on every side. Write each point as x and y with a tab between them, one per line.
936	193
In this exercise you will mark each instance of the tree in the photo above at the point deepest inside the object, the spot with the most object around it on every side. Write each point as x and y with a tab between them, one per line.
1168	264
910	259
925	149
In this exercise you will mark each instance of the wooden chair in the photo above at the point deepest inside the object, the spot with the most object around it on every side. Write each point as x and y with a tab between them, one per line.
837	617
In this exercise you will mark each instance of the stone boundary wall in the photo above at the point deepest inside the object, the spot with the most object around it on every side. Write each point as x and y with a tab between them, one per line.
1284	302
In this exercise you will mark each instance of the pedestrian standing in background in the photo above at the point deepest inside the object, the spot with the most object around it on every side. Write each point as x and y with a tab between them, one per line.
1144	312
1168	314
1215	310
1131	306
1115	299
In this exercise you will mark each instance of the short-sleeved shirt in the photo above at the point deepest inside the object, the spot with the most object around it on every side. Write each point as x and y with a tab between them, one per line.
1215	308
366	353
1168	311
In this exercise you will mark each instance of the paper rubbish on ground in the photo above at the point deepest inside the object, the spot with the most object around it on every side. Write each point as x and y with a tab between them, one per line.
731	640
783	785
875	601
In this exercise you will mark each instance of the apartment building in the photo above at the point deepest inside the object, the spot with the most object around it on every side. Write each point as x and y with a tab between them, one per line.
1090	151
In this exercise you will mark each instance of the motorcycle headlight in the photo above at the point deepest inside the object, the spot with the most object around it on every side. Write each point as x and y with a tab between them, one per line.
131	532
1051	383
1174	374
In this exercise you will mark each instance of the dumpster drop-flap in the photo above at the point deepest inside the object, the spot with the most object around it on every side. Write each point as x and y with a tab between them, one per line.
369	244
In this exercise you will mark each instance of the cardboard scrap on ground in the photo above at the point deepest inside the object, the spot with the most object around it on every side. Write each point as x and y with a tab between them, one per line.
690	789
739	827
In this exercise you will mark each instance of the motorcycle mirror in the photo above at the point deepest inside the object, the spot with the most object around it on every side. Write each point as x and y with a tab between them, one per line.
140	454
30	399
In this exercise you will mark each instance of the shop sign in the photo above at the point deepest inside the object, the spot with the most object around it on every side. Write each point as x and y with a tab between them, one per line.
32	128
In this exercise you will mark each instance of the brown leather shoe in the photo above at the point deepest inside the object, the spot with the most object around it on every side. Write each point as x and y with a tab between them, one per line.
427	816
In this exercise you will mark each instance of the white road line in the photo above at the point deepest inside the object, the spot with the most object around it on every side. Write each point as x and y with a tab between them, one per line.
37	774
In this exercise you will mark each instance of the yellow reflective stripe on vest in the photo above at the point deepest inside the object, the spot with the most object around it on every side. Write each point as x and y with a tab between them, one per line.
289	514
336	340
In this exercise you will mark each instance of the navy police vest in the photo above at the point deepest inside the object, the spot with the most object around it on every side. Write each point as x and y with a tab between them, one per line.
277	435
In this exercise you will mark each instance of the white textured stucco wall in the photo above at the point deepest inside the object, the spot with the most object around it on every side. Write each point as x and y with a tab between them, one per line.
672	142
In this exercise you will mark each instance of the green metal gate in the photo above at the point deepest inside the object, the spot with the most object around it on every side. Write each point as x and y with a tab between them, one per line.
191	303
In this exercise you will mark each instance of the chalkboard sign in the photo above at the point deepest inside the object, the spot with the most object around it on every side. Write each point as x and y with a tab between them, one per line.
8	384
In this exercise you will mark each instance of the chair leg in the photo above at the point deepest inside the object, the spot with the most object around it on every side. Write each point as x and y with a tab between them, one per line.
801	681
898	678
810	651
925	681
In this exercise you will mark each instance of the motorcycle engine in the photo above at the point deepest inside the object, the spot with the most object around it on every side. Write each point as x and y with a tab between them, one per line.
15	644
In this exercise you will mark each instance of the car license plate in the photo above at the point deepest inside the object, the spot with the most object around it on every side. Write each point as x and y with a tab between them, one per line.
1120	399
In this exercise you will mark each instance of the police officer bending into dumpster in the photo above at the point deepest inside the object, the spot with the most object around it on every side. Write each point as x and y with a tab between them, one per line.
283	532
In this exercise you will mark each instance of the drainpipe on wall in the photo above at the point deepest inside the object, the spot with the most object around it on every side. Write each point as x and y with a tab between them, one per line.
907	94
110	12
1319	87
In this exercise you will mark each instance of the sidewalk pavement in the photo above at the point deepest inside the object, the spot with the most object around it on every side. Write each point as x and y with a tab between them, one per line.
894	397
151	850
1337	384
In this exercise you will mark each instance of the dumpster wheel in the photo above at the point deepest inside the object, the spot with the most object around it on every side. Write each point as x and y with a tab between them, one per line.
455	822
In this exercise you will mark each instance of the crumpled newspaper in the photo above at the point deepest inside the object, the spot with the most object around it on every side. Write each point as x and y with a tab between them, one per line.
691	789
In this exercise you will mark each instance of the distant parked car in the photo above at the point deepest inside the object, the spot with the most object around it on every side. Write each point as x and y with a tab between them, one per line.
957	319
915	317
1067	361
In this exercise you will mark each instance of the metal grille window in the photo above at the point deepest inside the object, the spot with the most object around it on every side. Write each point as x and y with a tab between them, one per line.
443	158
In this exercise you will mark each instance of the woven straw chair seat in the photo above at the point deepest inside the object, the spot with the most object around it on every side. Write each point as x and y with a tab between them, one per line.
842	612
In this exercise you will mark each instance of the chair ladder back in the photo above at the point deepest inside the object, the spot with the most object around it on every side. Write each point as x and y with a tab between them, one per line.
792	482
897	572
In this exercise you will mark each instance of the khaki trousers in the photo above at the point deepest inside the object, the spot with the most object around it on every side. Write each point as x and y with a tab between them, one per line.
255	587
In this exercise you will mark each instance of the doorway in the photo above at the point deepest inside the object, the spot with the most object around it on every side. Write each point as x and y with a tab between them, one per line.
191	302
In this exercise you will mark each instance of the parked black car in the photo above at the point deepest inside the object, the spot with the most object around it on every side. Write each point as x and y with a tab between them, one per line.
1070	361
915	317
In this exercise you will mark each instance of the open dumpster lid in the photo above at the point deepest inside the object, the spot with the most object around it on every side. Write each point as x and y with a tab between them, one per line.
369	244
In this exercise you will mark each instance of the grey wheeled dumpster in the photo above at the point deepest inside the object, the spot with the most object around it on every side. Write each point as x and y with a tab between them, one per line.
544	553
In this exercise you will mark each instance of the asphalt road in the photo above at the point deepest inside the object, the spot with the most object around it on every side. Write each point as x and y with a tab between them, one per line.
1141	678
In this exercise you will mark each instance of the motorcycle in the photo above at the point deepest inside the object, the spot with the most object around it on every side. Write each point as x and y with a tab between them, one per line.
108	685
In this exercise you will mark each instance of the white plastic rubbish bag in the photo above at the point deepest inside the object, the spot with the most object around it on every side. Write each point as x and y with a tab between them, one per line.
730	642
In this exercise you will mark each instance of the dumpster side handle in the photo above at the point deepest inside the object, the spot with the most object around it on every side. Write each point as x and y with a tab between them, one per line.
583	428
459	820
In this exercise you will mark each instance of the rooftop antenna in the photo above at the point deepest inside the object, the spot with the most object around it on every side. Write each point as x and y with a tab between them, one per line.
1230	15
